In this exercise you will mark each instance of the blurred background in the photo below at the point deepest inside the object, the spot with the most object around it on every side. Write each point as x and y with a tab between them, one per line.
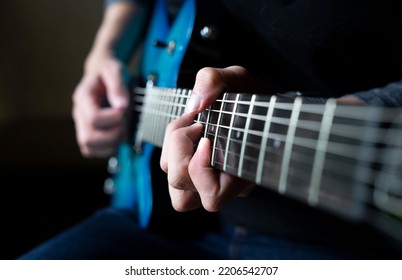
46	185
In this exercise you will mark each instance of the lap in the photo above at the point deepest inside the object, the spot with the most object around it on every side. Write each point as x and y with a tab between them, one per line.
113	234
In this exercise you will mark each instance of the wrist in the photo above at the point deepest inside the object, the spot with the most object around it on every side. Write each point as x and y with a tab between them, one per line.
97	58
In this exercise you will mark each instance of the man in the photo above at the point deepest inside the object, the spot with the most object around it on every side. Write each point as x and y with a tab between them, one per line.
348	50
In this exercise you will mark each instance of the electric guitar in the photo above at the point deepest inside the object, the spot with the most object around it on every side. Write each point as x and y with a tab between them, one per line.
335	157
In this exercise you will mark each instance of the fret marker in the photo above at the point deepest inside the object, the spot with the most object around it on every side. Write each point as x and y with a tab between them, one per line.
277	143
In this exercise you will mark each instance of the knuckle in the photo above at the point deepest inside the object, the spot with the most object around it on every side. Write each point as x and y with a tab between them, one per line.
178	205
211	200
208	75
211	205
178	181
183	203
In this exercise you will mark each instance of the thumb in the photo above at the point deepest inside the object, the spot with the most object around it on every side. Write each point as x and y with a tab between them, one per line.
116	80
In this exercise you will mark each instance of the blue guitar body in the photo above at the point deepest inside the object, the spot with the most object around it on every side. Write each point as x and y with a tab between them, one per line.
132	181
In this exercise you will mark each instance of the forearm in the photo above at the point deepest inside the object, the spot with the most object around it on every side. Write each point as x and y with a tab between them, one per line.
116	20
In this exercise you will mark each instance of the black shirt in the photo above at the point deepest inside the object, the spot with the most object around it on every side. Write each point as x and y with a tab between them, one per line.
331	47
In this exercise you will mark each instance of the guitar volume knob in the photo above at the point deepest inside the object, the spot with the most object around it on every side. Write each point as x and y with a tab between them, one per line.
113	165
170	46
209	32
109	187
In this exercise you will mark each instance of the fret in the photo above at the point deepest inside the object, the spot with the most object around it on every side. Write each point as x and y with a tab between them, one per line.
264	140
215	139
289	145
320	152
183	103
207	121
254	137
145	115
186	94
245	135
176	101
226	158
161	108
199	118
178	107
303	151
152	114
237	132
169	104
172	108
156	106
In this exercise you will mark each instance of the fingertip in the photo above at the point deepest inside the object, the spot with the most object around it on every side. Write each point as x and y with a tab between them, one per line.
118	100
203	152
193	104
203	144
208	85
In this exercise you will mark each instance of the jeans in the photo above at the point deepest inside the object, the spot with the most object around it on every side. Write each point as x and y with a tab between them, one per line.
113	234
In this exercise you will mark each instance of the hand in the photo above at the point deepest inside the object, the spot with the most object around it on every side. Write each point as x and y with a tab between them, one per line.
350	100
192	181
99	129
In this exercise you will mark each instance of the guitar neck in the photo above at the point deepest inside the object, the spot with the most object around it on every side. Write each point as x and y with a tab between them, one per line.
326	155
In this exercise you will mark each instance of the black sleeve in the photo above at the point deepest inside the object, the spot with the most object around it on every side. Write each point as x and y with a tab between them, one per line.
388	96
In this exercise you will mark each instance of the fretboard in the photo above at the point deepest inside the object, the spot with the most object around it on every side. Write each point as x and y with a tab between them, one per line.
328	155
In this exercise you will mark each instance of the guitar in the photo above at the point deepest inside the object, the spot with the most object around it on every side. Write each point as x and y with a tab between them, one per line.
339	158
164	48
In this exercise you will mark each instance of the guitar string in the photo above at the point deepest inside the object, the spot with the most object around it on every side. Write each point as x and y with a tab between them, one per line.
362	113
348	131
302	163
358	113
343	149
185	96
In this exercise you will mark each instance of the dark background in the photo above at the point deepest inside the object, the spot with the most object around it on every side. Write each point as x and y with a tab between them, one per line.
46	185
